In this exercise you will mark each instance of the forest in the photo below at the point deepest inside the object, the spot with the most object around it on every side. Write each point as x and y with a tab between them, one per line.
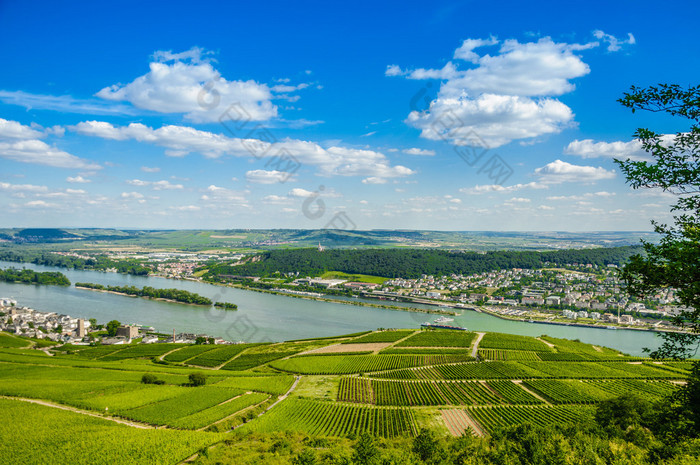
99	262
412	263
34	277
147	291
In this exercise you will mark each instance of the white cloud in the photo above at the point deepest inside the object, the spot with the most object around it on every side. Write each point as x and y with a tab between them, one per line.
147	169
614	44
267	177
5	186
633	150
14	130
545	207
300	193
225	198
187	83
276	199
20	143
503	97
519	200
374	180
559	171
187	208
180	140
155	185
78	180
131	195
482	189
417	151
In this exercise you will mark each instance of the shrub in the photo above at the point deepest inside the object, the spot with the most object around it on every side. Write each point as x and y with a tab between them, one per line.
198	379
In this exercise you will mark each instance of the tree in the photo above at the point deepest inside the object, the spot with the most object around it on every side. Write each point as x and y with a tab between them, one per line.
93	322
112	328
674	167
200	340
622	412
197	379
426	446
365	450
305	457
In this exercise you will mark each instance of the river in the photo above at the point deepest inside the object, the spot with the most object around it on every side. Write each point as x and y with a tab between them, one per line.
267	317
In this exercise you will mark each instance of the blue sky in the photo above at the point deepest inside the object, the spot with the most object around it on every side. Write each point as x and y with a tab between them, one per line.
430	115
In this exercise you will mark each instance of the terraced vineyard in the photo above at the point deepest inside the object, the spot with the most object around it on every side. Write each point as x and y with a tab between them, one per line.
344	364
427	376
491	418
439	338
331	419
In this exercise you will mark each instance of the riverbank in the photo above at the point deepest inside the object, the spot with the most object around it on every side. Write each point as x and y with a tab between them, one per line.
335	301
609	326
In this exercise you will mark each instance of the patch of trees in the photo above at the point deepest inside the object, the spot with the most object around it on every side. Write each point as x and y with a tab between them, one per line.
177	295
99	262
34	277
226	305
412	263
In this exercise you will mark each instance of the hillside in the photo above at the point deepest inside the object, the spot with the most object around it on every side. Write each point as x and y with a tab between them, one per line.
391	384
412	263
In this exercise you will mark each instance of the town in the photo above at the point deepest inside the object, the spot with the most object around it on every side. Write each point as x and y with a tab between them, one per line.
27	322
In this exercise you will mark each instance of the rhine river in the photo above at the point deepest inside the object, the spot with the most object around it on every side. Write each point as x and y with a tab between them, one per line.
267	317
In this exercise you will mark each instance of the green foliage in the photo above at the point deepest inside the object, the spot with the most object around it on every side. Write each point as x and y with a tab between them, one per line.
365	450
25	276
219	355
675	167
276	385
189	351
31	434
99	262
197	379
226	305
112	327
150	378
623	412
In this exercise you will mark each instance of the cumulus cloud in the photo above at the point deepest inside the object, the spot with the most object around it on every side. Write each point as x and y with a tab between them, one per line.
559	171
181	140
147	169
78	180
374	180
503	96
483	189
5	186
417	151
187	83
267	177
633	150
155	185
21	143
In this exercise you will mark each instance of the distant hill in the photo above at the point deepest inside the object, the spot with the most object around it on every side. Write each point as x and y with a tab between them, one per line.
44	235
412	263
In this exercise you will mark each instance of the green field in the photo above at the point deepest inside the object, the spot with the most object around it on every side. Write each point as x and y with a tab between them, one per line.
430	380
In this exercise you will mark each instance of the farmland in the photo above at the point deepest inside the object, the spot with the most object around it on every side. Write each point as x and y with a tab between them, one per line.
417	378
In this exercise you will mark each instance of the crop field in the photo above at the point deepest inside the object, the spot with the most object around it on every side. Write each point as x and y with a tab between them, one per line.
568	391
169	411
344	364
31	434
512	342
247	361
333	419
427	351
381	336
275	385
189	352
481	370
219	356
653	389
213	414
141	351
439	338
569	346
513	393
599	370
500	354
8	340
94	353
355	390
491	418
